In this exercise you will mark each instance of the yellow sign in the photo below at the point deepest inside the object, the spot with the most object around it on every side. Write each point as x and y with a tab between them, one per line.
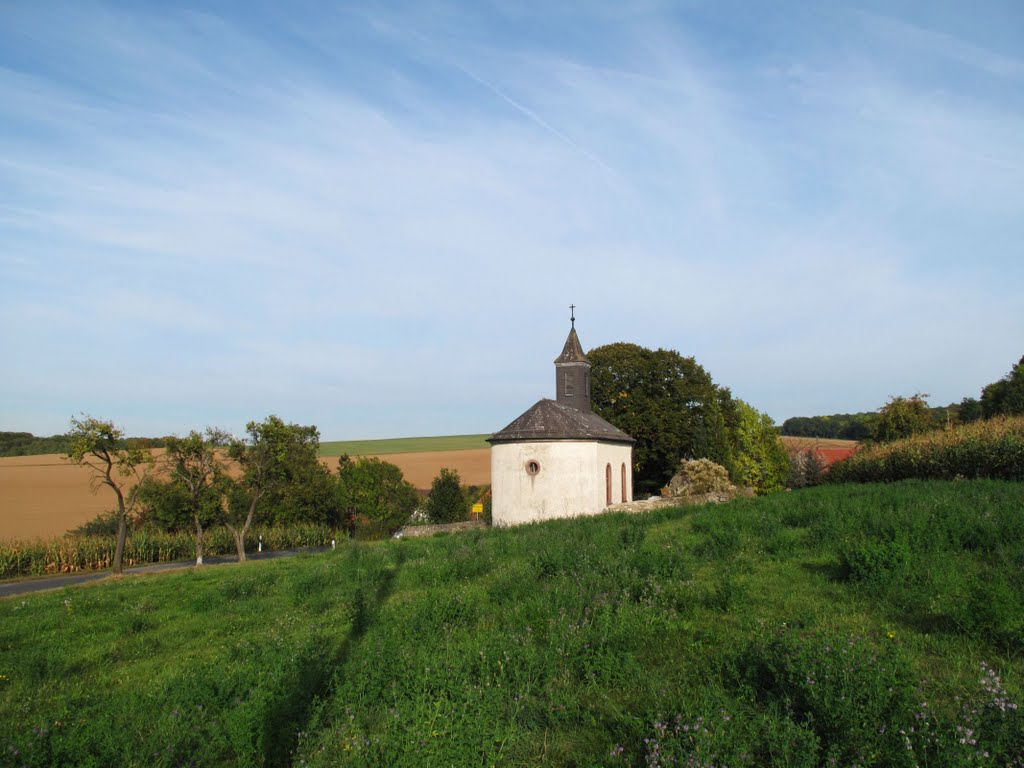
478	508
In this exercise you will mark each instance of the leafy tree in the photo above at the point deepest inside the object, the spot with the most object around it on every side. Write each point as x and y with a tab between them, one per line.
374	490
304	489
166	505
667	403
761	460
1006	396
274	458
969	410
446	502
115	463
199	472
902	417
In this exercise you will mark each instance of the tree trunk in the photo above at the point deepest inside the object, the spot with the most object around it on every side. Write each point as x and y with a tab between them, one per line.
122	532
199	542
240	534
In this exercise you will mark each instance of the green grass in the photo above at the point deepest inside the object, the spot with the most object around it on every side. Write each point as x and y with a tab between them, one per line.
403	445
844	625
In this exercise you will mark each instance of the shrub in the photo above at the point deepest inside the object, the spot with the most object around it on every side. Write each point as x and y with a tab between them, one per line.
697	477
994	611
104	524
881	564
446	502
806	468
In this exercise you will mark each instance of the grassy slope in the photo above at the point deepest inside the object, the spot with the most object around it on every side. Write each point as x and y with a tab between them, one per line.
403	445
553	644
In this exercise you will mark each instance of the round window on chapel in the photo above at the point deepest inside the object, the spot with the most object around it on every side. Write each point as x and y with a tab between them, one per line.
532	467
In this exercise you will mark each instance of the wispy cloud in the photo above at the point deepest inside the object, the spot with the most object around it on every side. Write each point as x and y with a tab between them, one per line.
375	219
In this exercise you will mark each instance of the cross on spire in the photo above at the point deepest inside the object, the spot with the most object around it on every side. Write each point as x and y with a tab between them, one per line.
572	314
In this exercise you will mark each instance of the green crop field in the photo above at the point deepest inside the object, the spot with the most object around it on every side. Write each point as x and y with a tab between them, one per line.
877	625
403	445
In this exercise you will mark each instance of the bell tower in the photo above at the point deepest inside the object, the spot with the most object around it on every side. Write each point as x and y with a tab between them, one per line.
572	371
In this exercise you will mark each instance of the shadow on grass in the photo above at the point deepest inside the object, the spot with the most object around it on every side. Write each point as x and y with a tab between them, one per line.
833	571
318	674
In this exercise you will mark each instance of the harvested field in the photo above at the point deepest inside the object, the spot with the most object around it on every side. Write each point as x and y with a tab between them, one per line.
420	469
44	496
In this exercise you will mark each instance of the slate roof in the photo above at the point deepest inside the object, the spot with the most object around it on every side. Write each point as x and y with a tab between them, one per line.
549	420
572	352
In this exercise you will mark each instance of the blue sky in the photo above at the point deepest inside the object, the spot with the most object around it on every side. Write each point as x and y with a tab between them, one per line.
373	217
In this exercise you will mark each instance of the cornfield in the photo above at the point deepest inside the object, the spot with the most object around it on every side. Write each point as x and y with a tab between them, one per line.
985	449
71	553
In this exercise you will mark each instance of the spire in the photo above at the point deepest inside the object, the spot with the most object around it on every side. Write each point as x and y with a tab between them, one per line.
572	371
572	352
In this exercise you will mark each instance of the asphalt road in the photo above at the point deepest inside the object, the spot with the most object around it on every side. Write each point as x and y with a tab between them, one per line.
24	586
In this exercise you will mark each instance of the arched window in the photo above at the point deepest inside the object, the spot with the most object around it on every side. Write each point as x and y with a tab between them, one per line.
608	484
624	499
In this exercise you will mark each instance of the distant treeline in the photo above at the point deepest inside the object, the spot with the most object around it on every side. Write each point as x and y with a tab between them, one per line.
27	444
857	426
1004	397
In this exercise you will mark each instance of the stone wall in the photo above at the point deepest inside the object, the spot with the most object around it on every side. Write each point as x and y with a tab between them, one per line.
414	531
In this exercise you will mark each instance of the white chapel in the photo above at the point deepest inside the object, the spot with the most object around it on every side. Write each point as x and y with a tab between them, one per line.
560	459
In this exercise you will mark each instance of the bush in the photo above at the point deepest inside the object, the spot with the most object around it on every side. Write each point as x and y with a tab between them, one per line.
882	564
446	502
806	469
698	477
104	524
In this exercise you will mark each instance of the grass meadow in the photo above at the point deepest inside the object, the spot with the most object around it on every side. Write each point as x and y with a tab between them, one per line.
840	625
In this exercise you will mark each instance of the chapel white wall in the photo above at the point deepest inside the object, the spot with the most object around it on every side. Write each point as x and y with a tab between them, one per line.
571	480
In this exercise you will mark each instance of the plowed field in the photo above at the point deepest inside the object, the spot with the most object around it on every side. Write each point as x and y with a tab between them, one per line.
830	451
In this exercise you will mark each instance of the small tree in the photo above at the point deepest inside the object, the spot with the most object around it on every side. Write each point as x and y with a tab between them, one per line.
100	446
375	491
271	457
197	469
446	502
902	417
761	459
